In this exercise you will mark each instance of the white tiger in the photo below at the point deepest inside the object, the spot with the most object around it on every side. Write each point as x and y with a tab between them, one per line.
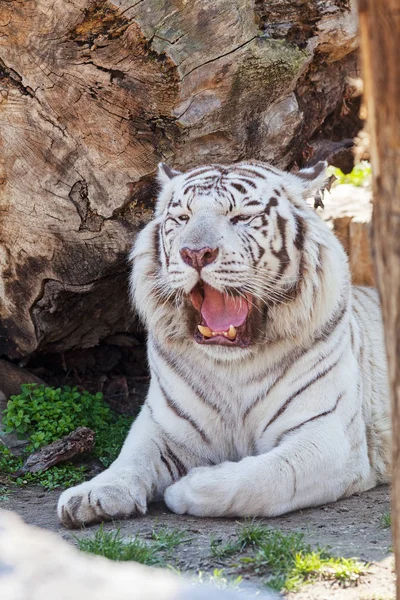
269	387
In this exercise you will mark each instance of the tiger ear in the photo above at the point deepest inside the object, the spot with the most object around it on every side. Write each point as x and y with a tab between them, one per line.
165	174
313	178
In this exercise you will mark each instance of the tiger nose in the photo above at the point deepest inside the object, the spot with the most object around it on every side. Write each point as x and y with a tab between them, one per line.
199	258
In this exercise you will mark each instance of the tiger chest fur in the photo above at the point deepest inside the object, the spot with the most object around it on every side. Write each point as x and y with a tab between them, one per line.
268	376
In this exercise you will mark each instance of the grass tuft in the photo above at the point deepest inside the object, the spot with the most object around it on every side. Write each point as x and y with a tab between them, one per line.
386	520
168	539
4	493
285	559
112	545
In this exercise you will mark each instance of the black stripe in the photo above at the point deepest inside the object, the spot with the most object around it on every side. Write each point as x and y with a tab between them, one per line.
179	412
200	171
180	467
163	246
370	294
322	358
353	418
253	203
281	254
178	369
249	170
301	231
261	250
352	335
319	416
238	187
272	202
166	463
333	322
156	244
363	306
362	344
293	356
247	246
300	391
249	182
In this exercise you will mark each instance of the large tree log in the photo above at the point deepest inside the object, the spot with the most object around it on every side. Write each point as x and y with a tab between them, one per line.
94	93
380	34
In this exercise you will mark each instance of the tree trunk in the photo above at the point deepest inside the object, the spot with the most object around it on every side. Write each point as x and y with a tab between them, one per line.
93	94
380	34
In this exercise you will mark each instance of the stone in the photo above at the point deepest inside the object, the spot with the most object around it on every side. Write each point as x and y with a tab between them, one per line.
38	565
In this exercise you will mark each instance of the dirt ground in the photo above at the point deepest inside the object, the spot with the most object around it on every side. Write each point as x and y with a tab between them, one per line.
351	528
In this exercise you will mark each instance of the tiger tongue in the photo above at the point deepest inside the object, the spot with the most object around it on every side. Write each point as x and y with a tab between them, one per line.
222	310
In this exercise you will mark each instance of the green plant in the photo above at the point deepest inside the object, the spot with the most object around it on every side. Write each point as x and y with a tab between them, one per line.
8	462
58	476
4	493
219	550
311	566
43	415
359	176
285	559
386	520
112	545
168	539
249	534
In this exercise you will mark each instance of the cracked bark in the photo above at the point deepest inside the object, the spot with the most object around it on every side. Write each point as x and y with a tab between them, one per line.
93	94
380	31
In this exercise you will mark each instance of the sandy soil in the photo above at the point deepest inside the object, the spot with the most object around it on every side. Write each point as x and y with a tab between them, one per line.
351	527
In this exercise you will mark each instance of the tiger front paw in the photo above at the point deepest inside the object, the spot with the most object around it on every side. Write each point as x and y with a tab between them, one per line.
204	492
93	502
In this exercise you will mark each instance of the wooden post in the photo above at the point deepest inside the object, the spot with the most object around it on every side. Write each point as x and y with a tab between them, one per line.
380	37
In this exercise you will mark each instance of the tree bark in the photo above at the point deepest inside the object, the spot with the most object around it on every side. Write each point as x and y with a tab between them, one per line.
93	94
380	34
79	441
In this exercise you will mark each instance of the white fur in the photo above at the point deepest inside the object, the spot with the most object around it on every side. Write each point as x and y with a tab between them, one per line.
300	417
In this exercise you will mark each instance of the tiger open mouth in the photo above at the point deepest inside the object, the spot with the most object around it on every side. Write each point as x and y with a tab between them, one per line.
223	317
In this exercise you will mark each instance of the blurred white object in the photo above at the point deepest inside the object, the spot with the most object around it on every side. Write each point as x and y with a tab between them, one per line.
38	565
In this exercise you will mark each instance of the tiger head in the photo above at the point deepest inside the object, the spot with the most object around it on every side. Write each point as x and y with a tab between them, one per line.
234	257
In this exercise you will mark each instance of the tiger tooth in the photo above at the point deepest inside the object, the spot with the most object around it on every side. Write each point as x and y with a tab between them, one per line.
206	331
231	332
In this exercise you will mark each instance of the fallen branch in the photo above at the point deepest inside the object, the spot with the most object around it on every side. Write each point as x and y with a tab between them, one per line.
79	441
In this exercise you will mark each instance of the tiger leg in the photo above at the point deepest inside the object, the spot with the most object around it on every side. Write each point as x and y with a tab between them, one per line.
146	465
311	468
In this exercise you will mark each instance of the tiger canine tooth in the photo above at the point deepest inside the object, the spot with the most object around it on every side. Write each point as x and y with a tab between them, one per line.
232	332
206	331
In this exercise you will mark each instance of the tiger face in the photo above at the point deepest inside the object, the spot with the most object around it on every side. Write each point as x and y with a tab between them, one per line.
230	242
